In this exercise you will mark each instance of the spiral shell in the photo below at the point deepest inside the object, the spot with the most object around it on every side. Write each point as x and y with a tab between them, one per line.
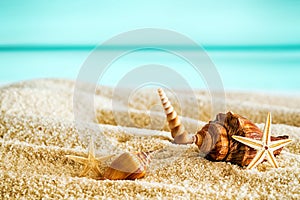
128	166
215	138
178	131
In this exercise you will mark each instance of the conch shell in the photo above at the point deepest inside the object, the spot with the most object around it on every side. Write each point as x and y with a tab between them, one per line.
214	139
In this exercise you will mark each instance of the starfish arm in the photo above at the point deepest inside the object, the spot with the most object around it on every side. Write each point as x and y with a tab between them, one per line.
271	159
78	159
85	170
91	150
256	144
278	144
259	157
96	170
266	138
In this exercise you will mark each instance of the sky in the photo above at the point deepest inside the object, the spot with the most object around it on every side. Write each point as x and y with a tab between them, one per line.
252	22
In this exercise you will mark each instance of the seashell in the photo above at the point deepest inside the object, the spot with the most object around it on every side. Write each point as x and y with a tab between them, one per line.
128	166
178	131
214	139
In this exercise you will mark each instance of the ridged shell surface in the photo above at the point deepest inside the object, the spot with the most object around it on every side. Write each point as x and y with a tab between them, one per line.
128	166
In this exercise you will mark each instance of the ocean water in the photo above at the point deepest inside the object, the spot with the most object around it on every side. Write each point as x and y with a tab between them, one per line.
240	69
257	43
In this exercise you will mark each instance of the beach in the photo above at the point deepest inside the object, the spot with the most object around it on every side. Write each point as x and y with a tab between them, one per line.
38	129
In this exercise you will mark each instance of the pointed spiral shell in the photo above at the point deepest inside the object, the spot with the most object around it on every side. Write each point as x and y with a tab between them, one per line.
128	166
174	122
177	129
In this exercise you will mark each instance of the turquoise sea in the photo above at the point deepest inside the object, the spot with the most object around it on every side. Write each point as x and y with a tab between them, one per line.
254	45
273	69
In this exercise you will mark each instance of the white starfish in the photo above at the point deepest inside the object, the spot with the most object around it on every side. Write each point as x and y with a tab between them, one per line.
91	162
265	147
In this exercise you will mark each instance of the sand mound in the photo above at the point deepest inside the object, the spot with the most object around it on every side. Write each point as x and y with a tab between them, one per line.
38	130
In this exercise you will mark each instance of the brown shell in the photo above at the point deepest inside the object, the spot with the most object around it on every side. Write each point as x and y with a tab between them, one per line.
215	139
129	166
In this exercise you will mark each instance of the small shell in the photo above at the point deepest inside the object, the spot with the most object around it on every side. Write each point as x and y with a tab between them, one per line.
128	166
177	129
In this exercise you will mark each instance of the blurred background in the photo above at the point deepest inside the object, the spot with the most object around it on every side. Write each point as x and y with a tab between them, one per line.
255	45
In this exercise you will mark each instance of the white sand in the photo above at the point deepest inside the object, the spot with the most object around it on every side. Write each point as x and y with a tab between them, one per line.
37	130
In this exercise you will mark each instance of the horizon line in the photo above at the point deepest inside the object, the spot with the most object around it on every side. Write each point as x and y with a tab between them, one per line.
87	47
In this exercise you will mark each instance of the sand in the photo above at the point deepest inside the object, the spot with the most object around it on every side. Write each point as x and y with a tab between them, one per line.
38	130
